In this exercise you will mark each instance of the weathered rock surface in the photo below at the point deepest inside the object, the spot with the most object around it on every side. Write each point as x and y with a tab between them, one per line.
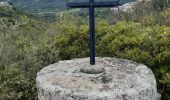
3	4
127	7
120	80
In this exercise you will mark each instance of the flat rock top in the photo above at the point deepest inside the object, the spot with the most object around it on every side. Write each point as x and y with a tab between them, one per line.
120	76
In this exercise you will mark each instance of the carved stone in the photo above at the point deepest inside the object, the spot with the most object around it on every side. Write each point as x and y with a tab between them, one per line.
113	79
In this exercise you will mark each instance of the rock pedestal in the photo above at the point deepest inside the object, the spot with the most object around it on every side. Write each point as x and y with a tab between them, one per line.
112	79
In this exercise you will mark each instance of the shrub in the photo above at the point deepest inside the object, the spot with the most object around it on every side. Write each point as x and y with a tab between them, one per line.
22	54
160	4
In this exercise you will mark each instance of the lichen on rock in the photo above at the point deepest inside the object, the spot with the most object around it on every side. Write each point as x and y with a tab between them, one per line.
118	79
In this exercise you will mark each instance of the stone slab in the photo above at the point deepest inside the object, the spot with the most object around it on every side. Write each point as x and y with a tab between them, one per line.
121	80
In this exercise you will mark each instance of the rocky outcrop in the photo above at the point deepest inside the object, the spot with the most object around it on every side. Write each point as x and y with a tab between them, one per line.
127	7
4	4
109	79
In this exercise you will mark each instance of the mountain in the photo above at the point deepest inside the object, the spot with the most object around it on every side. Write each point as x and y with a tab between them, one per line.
40	6
47	6
47	9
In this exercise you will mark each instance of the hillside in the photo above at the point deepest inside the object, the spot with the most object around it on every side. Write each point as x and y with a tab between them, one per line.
47	6
47	9
29	43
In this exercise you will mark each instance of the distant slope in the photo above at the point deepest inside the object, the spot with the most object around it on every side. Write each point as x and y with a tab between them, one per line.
47	9
48	6
39	6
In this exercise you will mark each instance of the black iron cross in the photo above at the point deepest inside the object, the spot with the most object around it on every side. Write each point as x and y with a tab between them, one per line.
92	5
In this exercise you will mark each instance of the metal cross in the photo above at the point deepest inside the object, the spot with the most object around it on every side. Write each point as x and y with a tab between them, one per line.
92	5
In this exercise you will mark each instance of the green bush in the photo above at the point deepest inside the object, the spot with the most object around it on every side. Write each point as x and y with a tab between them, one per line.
26	47
14	85
71	41
161	4
144	13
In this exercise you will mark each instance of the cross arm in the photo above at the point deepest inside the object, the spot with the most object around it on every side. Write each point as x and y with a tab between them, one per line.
94	4
78	5
106	4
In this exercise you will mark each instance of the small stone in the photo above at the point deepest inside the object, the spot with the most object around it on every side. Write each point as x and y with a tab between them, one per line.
93	69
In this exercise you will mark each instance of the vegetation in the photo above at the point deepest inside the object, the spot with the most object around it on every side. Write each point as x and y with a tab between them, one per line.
161	4
40	6
27	44
46	6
